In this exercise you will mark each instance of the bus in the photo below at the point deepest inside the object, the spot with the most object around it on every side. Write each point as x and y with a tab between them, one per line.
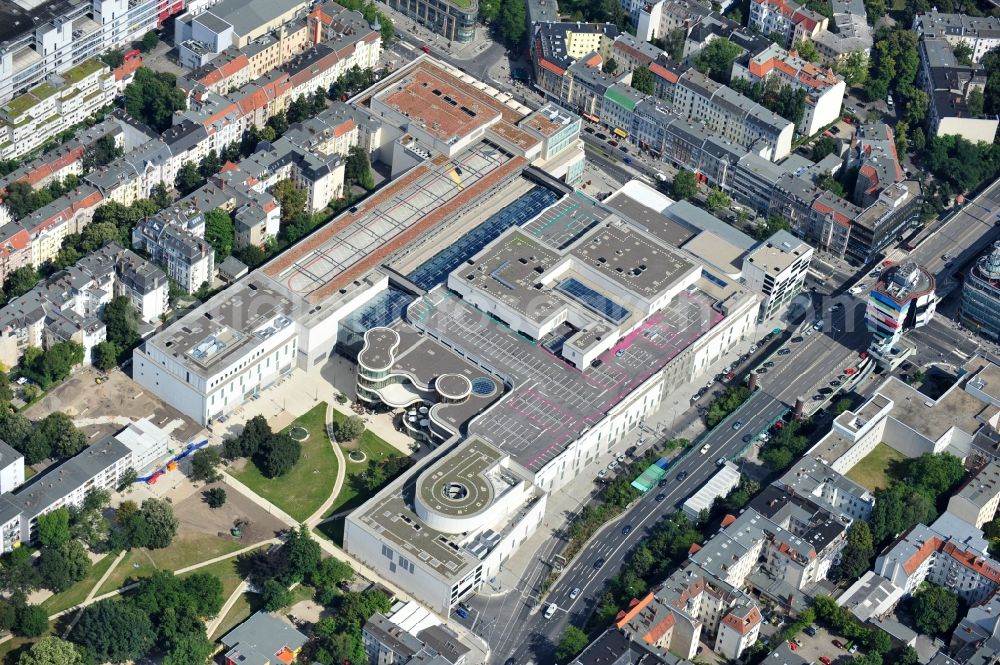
621	133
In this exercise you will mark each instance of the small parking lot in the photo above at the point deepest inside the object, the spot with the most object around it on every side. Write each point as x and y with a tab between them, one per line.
813	648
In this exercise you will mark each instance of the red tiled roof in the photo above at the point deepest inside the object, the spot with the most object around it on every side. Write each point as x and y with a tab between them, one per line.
930	546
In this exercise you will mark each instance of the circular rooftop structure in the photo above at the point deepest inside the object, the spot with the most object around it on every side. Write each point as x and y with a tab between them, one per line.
483	386
379	350
455	495
453	387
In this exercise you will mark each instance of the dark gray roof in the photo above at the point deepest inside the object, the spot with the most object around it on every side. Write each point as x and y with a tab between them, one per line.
42	492
7	454
259	638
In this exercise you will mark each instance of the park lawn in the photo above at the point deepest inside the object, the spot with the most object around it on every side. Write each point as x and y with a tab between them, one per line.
77	593
375	448
301	491
225	570
873	470
183	552
238	613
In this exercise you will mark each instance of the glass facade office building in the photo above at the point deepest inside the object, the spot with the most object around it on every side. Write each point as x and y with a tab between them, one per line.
981	296
455	20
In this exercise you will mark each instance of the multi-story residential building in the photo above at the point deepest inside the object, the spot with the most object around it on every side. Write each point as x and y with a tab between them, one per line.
824	89
980	33
690	607
42	38
66	99
185	257
731	115
873	153
786	18
980	310
901	299
777	268
948	85
977	500
410	635
68	305
660	18
102	465
851	33
11	468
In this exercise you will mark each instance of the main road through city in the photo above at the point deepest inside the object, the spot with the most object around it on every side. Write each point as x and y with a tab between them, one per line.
511	623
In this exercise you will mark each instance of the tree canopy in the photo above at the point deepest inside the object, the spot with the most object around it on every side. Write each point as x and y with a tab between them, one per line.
716	60
52	651
573	641
935	609
642	80
220	232
153	97
113	631
685	185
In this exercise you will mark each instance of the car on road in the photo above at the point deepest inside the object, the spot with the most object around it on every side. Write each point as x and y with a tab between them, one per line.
425	48
627	529
738	424
601	136
729	368
769	364
797	339
682	475
620	459
550	610
784	352
619	353
762	370
631	450
747	438
825	660
602	473
835	383
850	370
753	348
696	396
838	644
574	593
612	464
817	398
623	148
825	391
599	563
589	130
627	160
721	461
660	497
662	483
613	143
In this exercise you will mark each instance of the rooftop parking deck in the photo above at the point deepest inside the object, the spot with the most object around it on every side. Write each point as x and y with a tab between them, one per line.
551	402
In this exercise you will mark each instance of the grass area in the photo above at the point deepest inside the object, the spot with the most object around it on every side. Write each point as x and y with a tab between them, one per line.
873	471
10	648
29	472
332	531
184	551
239	612
375	449
225	570
302	490
77	593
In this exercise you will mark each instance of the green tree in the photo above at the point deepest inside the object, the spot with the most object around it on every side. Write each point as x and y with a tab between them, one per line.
806	50
204	465
20	281
975	102
153	98
512	22
114	58
30	621
963	54
854	67
716	59
335	647
255	432
215	497
348	429
935	609
685	185
161	196
857	553
106	355
771	225
358	169
53	528
291	198
188	178
573	641
277	455
59	432
823	146
190	649
609	66
220	232
209	165
674	44
62	566
299	110
113	631
717	199
874	10
122	322
275	596
642	80
150	41
52	651
843	404
101	153
160	522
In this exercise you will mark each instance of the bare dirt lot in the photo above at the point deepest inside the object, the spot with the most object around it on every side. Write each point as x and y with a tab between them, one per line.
103	409
196	517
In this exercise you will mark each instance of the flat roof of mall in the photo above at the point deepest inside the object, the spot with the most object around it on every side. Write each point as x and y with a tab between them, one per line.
551	403
466	469
565	222
361	239
430	98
